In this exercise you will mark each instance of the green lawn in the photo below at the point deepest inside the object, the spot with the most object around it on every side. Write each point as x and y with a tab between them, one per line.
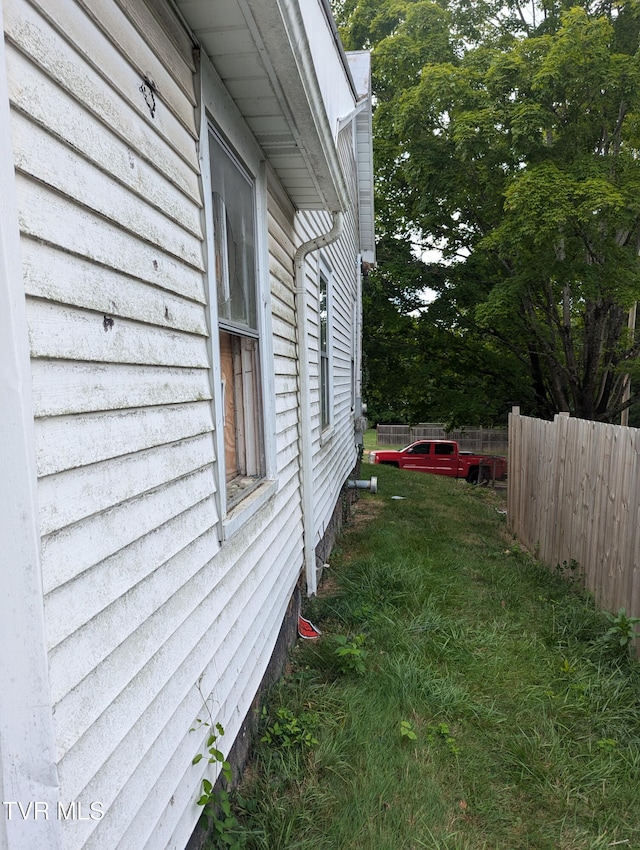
461	696
371	442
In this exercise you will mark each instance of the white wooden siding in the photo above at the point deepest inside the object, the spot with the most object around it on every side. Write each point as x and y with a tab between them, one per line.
334	452
60	386
67	66
281	251
145	611
110	214
86	283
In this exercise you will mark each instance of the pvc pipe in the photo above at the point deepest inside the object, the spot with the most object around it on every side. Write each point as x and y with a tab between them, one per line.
371	485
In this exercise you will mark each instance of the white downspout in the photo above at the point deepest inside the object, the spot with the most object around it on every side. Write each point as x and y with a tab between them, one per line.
304	418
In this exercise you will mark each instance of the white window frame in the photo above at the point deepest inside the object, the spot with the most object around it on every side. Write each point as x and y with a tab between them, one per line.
326	428
217	111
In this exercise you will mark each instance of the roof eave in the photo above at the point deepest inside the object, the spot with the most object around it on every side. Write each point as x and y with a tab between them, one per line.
297	139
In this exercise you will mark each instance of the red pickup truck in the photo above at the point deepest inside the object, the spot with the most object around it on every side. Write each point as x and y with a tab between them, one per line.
443	457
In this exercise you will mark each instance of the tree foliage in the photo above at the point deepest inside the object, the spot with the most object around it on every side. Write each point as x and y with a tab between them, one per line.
507	137
439	367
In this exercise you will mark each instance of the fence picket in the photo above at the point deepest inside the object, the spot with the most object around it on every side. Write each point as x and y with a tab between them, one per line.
574	494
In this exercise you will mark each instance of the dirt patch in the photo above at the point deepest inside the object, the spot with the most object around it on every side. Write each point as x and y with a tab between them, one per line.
328	585
364	511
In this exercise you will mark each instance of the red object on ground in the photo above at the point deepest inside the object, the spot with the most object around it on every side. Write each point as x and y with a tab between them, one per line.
307	630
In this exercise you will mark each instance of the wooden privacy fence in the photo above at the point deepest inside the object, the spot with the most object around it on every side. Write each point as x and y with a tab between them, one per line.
487	440
574	495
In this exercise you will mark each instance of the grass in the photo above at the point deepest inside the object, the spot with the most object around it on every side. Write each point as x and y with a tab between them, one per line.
371	442
478	707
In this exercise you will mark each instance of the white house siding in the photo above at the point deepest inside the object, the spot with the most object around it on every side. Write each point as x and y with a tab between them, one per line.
263	563
109	211
334	450
145	613
281	250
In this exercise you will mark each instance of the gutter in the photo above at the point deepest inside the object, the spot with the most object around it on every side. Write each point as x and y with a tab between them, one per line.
304	417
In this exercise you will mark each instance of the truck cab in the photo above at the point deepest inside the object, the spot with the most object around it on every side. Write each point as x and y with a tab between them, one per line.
443	457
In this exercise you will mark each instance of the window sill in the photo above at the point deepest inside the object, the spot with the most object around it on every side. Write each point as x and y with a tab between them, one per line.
247	508
327	435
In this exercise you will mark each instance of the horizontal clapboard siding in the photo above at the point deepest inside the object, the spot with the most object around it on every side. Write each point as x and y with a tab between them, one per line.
335	455
199	621
75	494
281	251
259	645
66	386
56	165
65	442
110	216
147	613
129	531
94	87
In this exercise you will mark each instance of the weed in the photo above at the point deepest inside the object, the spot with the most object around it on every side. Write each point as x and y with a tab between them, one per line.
226	831
363	612
289	731
225	828
570	572
621	632
406	731
443	732
350	654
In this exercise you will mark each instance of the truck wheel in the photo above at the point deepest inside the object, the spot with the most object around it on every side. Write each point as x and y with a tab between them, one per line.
389	463
472	475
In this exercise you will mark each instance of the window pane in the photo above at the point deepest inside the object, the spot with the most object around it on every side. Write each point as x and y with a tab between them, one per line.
421	449
324	390
234	223
444	448
243	452
234	236
324	354
322	309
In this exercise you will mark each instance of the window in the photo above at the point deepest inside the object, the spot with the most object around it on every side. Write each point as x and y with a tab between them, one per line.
323	346
234	230
444	448
420	449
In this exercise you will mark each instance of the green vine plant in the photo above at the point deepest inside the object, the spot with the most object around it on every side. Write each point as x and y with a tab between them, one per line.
226	830
571	572
443	732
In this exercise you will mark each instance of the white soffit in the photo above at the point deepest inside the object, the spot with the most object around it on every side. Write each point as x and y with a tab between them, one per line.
260	51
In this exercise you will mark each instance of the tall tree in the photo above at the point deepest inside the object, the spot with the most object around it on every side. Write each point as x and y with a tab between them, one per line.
508	137
432	365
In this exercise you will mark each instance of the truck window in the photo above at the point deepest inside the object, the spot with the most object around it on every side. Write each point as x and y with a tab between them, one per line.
420	449
444	448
